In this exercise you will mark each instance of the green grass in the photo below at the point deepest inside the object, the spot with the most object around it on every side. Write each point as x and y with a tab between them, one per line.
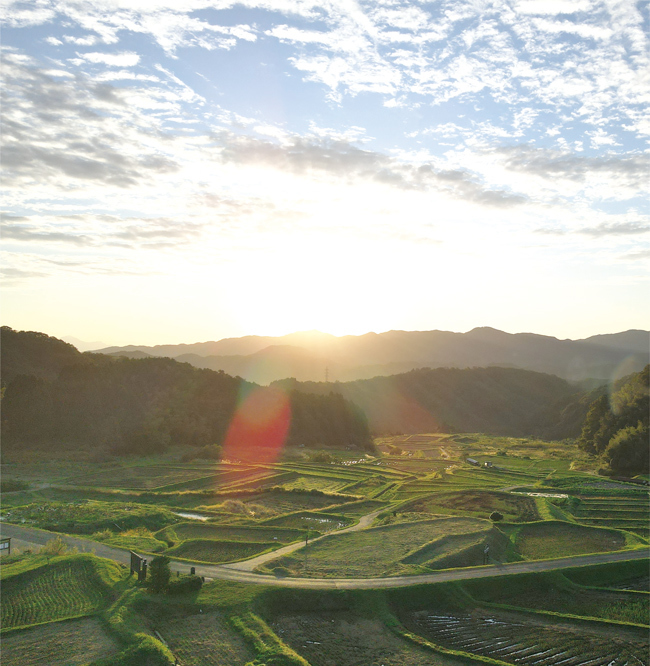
325	484
550	539
136	543
140	477
184	531
89	516
379	551
35	591
358	509
208	550
613	574
477	503
556	593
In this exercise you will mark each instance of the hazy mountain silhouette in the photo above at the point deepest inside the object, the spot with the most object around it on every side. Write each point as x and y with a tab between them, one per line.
500	401
308	356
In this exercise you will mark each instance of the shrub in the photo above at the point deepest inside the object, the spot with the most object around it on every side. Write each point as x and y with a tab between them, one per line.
103	535
159	573
56	547
495	516
185	584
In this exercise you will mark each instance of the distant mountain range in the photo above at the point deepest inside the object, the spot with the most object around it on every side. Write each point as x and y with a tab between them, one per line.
315	356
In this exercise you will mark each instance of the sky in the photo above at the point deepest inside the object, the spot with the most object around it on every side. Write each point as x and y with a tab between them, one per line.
176	171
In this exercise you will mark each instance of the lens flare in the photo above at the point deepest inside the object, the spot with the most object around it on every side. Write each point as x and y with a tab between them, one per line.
259	427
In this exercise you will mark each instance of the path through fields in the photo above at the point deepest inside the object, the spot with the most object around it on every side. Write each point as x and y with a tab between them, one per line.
29	535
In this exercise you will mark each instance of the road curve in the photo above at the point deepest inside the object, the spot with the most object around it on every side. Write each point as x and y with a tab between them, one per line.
34	536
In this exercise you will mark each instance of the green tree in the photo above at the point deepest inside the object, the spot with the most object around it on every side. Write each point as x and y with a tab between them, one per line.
159	573
628	452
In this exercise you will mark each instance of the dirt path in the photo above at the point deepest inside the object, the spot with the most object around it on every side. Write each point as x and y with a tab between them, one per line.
250	565
227	572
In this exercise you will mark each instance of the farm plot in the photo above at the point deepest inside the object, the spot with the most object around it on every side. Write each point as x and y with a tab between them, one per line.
288	502
367	486
184	531
323	522
379	551
343	639
142	478
204	640
549	539
70	643
554	592
90	516
136	540
477	503
519	639
66	587
356	509
623	513
308	482
209	550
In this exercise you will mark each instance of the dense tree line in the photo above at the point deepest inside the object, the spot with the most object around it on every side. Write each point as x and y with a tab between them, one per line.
501	401
54	393
616	427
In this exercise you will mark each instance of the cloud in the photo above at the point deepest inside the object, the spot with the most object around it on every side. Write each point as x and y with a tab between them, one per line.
633	170
27	233
619	229
124	59
346	162
74	129
641	255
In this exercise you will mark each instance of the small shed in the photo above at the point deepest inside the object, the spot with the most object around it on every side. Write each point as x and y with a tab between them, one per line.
471	461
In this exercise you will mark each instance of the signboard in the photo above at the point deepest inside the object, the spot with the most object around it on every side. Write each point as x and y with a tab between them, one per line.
5	546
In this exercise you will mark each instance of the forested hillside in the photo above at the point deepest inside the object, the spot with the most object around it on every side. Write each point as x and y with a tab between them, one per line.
53	393
616	427
503	401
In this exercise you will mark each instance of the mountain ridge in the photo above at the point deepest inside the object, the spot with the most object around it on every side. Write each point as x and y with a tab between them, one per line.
314	356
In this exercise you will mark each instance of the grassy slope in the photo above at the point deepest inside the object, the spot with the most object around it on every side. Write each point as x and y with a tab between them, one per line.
35	591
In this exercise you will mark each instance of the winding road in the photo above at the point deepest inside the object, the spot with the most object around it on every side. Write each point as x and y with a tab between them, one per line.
242	572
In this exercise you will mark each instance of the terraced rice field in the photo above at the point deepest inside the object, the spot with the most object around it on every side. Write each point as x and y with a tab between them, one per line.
322	522
524	641
208	550
356	509
342	639
556	593
205	639
477	503
326	484
544	540
378	551
141	478
290	502
64	588
70	643
233	533
621	512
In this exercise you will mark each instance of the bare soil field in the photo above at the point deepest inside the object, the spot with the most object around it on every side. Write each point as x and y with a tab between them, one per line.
204	639
528	640
69	643
343	639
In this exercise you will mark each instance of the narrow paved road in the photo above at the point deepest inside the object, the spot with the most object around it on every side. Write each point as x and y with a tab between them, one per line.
227	572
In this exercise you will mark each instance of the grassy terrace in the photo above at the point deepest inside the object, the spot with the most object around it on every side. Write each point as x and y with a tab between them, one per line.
434	511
